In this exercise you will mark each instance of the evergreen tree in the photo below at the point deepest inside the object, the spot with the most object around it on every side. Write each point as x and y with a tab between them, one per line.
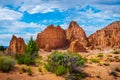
2	48
31	48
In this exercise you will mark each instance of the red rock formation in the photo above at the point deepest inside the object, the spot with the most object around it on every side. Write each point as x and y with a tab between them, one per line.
75	32
55	37
17	45
107	37
76	46
47	48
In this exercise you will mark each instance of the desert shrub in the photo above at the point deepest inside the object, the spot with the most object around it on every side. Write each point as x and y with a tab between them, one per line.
29	71
40	69
106	64
24	59
118	69
100	55
77	76
60	70
23	69
39	61
47	67
109	55
6	63
116	51
117	58
62	63
94	60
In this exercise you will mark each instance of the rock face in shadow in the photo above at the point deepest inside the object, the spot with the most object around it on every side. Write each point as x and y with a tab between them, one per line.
17	45
75	32
76	46
108	37
53	36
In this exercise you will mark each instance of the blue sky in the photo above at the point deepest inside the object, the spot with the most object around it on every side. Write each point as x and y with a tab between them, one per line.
25	18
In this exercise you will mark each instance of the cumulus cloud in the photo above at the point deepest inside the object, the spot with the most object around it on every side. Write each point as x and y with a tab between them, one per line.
6	14
10	24
17	26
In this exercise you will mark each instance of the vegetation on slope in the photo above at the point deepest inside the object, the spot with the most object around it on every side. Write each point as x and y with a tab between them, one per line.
31	53
66	64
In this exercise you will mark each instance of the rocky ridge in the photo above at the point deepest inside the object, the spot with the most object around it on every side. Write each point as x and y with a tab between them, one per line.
108	37
17	45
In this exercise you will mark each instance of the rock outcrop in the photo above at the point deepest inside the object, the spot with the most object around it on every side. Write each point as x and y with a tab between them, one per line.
108	37
75	32
17	45
47	48
53	36
76	46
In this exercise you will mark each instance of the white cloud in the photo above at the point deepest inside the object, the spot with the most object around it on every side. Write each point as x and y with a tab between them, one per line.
6	14
18	27
90	29
40	8
64	26
44	6
62	5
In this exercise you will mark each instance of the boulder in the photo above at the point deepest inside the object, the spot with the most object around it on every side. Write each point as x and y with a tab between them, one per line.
76	46
54	36
17	45
108	37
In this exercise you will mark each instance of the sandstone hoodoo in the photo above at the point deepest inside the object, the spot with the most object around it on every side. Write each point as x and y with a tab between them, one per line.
76	46
108	37
75	32
17	45
53	36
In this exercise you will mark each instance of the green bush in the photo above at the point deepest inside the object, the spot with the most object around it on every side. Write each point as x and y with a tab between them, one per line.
94	60
29	71
62	63
118	69
23	69
40	69
47	67
24	59
6	63
116	51
77	76
100	55
60	70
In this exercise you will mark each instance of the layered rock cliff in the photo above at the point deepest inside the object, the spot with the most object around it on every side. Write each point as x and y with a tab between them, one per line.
17	45
108	37
53	36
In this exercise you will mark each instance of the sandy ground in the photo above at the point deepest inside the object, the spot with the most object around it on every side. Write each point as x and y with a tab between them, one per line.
95	71
15	75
